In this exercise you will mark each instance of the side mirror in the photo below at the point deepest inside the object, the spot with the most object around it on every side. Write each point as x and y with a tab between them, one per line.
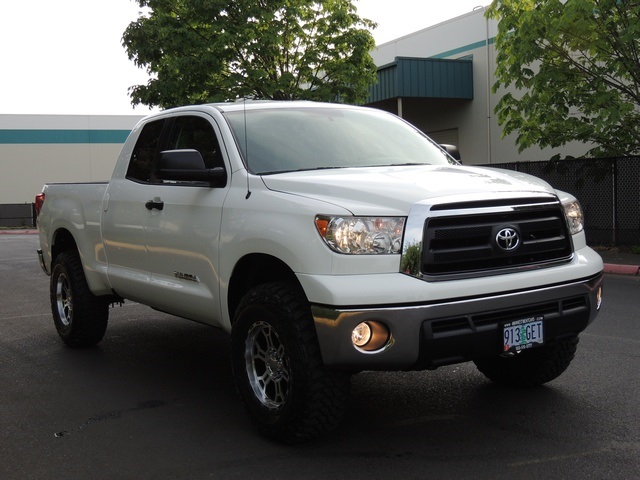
451	150
188	166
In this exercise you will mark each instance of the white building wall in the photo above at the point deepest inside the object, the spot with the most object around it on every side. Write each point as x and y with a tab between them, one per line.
450	36
26	167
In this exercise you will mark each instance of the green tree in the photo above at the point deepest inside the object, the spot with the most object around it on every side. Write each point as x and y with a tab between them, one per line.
199	51
575	66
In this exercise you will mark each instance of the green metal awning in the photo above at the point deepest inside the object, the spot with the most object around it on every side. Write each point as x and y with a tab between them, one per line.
424	78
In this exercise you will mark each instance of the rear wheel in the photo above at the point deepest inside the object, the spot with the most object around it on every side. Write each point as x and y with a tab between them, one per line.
79	316
530	368
288	392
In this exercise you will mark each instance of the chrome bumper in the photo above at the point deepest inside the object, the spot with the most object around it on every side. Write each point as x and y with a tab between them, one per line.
453	331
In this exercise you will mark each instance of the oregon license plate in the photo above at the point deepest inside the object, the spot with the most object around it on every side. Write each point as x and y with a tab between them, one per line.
522	334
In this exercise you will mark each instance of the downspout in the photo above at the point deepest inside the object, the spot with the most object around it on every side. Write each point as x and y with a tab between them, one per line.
488	59
488	86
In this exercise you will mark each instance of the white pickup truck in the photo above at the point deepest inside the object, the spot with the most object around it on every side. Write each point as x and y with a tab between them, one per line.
327	239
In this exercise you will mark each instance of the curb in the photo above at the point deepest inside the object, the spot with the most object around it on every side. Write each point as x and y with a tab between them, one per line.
18	232
622	269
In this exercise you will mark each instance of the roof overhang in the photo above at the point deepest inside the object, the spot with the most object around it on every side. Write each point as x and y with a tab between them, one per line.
424	78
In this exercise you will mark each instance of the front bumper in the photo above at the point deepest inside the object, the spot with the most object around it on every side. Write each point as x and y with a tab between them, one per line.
437	333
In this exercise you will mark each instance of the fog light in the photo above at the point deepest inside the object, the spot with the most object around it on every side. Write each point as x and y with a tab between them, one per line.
370	336
361	334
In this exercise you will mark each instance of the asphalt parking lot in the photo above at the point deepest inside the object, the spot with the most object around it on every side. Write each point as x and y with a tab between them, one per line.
156	400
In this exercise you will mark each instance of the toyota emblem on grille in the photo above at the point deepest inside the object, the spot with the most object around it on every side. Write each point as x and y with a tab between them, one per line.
508	239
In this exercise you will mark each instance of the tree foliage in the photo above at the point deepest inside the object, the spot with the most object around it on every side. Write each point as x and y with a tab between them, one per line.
575	65
200	51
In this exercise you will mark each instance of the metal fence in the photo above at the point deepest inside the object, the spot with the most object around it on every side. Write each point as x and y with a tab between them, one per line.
608	189
17	215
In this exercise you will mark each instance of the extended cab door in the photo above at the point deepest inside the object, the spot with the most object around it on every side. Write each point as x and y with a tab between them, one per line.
125	214
183	231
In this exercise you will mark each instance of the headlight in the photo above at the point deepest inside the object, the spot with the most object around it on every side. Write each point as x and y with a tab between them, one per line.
361	235
573	214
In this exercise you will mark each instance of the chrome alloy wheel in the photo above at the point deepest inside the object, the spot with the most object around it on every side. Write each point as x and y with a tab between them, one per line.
64	299
267	366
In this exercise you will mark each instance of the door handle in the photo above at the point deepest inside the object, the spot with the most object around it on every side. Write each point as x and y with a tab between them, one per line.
155	203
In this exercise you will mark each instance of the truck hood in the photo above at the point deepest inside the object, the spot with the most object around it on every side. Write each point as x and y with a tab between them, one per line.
393	190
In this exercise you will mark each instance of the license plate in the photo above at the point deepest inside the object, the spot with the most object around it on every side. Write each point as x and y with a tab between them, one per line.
522	334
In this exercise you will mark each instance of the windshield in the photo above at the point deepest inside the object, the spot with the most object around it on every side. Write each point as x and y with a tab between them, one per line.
290	139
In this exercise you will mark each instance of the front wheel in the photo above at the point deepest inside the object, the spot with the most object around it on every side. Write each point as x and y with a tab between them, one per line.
79	316
289	393
530	368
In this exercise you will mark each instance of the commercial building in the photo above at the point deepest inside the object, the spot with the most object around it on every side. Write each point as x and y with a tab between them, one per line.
440	79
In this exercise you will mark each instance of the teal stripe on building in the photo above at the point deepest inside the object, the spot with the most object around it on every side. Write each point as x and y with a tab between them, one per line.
34	137
466	48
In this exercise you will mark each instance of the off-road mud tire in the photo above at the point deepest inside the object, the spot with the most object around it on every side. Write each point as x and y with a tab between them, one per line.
530	368
79	316
288	392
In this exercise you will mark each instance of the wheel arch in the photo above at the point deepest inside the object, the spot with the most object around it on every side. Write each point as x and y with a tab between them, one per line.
252	270
62	241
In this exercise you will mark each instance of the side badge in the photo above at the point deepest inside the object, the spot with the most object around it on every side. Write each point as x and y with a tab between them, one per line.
186	276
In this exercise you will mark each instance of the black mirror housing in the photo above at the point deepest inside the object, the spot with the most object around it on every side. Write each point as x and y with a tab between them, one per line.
188	166
451	150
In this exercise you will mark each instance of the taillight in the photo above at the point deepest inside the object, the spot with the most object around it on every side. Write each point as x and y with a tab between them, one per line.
39	202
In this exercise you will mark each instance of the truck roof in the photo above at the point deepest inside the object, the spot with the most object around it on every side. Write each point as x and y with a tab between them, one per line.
257	104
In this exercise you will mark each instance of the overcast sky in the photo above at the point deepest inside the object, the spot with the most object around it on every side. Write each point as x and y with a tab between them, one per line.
66	57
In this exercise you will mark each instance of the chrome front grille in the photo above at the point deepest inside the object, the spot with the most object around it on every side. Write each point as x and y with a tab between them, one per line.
468	243
485	237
